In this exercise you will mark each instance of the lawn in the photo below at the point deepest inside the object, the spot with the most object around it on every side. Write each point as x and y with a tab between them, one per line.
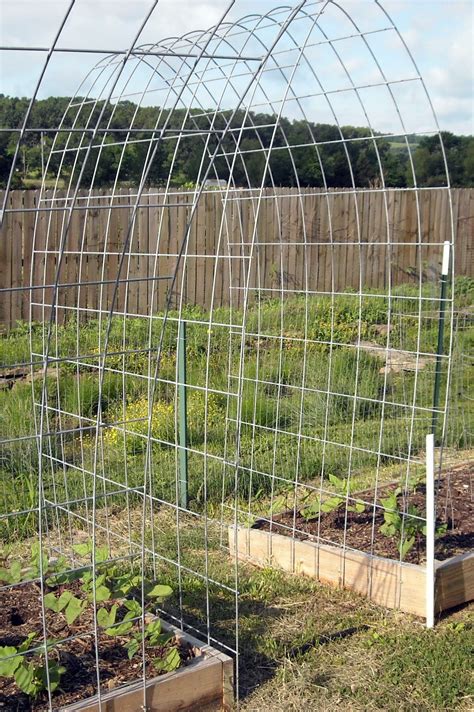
310	404
303	645
306	393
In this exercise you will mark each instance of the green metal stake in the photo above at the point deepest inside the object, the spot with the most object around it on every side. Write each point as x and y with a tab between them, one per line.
439	350
183	417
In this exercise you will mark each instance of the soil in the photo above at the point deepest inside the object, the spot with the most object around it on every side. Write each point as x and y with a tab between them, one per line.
20	614
455	508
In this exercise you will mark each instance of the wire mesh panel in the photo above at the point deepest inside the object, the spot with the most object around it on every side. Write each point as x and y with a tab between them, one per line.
236	314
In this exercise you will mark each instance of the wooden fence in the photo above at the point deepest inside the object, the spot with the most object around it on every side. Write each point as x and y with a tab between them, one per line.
286	242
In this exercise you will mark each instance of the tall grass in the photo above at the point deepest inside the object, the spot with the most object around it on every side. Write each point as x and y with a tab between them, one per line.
307	409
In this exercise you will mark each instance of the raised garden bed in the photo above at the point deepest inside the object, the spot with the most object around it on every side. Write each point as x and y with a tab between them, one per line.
182	673
204	684
378	574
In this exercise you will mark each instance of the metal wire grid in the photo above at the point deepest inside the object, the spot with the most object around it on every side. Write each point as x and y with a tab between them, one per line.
232	70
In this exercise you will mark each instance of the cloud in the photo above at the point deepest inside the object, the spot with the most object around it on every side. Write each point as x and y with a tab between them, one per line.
437	32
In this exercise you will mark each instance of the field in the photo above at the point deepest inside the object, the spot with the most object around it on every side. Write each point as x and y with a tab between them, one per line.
273	409
302	644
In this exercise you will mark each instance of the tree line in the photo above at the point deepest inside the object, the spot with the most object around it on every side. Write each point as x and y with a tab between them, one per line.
179	145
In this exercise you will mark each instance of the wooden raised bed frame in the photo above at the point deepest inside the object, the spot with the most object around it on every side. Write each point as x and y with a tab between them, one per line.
206	684
385	581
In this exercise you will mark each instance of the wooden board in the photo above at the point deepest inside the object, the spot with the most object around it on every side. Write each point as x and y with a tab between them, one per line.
454	582
384	581
205	685
26	238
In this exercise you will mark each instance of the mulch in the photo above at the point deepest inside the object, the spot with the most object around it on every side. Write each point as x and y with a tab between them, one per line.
20	615
455	508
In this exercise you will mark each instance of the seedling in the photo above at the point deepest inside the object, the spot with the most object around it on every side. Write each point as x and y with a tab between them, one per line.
333	503
29	675
110	583
404	526
67	603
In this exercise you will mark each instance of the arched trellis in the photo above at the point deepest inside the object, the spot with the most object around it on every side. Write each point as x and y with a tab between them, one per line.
249	337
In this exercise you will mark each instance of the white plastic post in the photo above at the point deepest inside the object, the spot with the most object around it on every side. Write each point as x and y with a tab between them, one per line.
430	532
445	263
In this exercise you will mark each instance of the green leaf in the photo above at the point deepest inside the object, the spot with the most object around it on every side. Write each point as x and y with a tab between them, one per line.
120	628
406	545
101	554
339	484
153	628
160	639
26	643
170	662
8	667
102	593
124	584
160	591
107	618
36	559
26	680
390	502
132	647
134	607
74	609
55	672
388	529
15	572
83	549
312	510
63	577
87	577
51	602
329	505
57	604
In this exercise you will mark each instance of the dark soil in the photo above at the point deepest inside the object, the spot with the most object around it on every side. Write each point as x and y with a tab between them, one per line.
455	508
20	614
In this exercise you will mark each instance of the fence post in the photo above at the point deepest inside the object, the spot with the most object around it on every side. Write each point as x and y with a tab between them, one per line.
183	417
430	532
440	347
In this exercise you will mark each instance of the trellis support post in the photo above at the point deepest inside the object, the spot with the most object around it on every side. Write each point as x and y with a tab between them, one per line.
439	349
430	532
182	417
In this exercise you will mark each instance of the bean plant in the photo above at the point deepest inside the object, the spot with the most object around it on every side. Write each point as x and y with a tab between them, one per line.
117	592
336	502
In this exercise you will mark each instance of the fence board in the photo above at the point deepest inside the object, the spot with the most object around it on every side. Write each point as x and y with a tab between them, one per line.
29	245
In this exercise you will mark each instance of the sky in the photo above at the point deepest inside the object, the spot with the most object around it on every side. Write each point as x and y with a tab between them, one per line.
438	33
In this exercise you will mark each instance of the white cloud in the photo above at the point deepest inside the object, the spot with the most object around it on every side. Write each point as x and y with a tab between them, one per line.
438	32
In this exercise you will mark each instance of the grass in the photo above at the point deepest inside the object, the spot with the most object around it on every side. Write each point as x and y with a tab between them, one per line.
286	430
355	657
302	645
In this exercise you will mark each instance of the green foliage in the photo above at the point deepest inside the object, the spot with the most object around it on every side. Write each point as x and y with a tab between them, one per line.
336	502
169	662
160	592
185	157
67	603
429	160
15	571
153	635
9	664
292	420
404	526
121	617
29	674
